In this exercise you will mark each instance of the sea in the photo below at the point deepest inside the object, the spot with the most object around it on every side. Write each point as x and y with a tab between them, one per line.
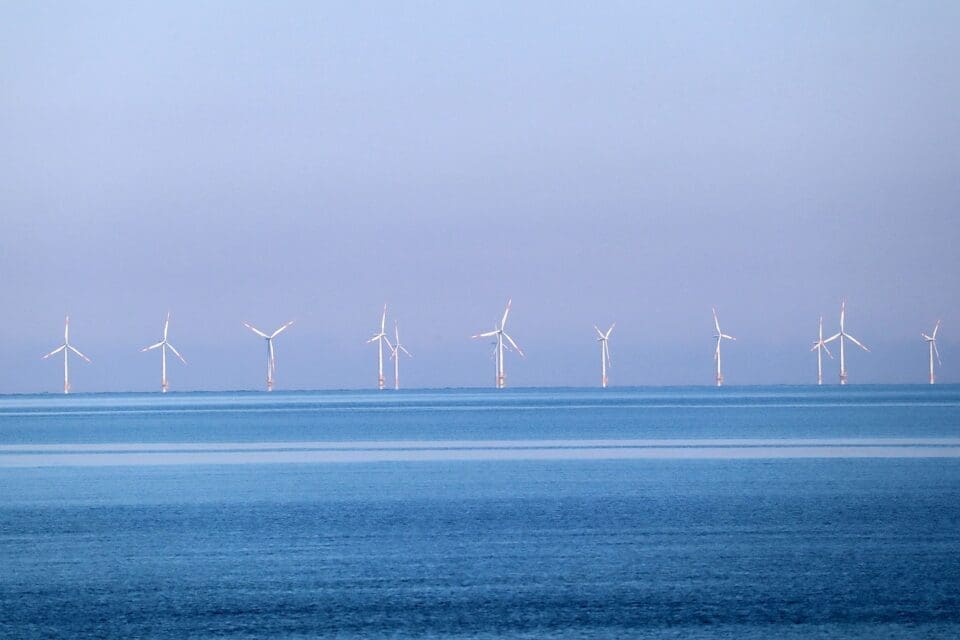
687	512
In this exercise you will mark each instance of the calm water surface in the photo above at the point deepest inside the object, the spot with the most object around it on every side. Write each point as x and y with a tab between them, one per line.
663	513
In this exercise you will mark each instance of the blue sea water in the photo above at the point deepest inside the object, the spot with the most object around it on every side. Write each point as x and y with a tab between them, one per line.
769	512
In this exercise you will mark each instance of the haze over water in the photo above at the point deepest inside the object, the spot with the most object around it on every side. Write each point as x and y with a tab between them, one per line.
661	513
616	161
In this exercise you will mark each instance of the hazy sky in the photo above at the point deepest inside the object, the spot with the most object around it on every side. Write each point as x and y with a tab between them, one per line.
632	161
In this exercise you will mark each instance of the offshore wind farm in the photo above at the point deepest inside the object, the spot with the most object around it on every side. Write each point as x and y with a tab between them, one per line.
746	211
502	343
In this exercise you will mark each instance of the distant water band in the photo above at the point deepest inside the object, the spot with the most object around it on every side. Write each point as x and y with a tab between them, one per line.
320	452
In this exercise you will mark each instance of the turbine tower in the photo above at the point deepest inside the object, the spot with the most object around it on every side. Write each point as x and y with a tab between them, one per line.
271	356
603	339
820	346
163	345
844	335
932	341
720	335
395	350
66	347
380	338
501	335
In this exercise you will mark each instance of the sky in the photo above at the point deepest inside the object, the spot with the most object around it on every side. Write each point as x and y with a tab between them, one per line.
596	162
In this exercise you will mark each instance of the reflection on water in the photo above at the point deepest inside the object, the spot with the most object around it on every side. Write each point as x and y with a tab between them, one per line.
678	513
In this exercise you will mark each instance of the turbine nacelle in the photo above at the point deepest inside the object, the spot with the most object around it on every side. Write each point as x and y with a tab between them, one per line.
931	340
380	338
66	348
719	336
842	335
503	342
605	363
163	345
271	353
395	350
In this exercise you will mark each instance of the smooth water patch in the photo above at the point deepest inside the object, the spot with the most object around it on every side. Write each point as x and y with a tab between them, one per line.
419	450
648	513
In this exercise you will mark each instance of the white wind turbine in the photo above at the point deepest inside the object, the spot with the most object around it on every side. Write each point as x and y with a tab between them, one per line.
720	335
820	346
163	345
603	339
501	335
932	341
271	356
395	350
844	335
66	347
380	338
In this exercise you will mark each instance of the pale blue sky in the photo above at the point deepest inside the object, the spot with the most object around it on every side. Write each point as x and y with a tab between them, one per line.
636	162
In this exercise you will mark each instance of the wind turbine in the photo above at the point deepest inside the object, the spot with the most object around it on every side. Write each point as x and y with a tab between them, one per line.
163	345
66	347
720	335
820	346
501	335
380	338
604	352
843	334
395	350
271	356
932	341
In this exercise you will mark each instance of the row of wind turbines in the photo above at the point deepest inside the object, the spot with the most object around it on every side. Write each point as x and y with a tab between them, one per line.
502	343
820	346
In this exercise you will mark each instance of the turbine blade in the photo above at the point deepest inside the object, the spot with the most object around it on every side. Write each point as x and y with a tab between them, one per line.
55	351
599	333
281	329
485	335
828	351
166	326
255	330
855	341
926	337
175	352
935	329
153	346
373	339
387	340
76	351
831	338
383	319
716	321
66	330
937	351
506	312
609	331
404	349
273	356
510	340
723	335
